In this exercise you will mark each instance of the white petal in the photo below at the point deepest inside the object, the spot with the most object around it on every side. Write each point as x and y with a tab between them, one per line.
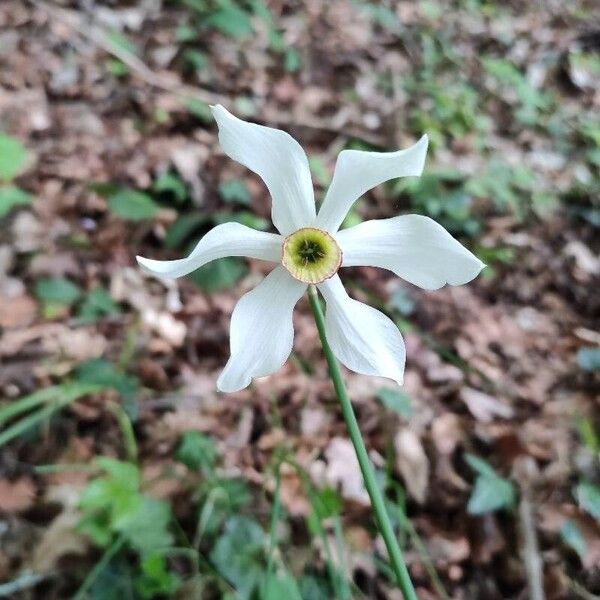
229	239
362	338
262	332
279	160
414	247
357	171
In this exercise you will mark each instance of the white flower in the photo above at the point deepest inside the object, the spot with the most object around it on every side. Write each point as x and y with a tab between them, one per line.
309	249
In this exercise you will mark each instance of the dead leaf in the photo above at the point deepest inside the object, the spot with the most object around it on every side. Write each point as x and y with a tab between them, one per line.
17	496
446	432
483	406
413	464
59	539
451	549
342	471
17	312
313	420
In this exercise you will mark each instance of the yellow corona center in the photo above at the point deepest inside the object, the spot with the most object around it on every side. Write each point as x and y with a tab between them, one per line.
311	255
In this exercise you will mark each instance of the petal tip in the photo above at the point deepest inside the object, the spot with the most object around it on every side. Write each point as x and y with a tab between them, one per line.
219	113
142	261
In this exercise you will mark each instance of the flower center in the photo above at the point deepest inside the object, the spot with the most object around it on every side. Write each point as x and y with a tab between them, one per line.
311	255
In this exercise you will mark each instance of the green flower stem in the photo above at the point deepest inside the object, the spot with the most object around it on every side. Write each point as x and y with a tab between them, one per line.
383	520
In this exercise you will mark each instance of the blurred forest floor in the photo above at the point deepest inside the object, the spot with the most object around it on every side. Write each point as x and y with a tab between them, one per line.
123	474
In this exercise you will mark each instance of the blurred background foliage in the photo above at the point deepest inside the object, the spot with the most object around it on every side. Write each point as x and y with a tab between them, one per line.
118	459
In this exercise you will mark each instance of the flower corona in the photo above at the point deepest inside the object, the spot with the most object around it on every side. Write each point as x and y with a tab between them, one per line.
311	255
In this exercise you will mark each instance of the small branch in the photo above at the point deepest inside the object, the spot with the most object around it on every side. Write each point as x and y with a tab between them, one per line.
24	582
534	566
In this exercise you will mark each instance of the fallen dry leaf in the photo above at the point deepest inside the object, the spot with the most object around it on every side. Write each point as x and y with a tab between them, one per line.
60	539
17	496
483	406
341	471
413	464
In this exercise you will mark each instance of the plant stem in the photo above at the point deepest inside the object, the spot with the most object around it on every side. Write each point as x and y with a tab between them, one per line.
385	527
105	559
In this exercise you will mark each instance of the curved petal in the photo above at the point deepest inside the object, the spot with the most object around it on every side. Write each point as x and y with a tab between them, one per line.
262	332
362	338
357	171
414	247
229	239
279	160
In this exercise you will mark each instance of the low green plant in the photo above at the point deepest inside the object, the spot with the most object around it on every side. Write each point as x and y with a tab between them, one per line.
13	161
234	19
531	102
491	492
116	512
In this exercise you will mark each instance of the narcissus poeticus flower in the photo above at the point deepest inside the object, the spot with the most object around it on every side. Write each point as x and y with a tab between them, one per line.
310	249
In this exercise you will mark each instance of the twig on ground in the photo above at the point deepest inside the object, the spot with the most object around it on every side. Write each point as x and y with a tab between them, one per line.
531	551
25	582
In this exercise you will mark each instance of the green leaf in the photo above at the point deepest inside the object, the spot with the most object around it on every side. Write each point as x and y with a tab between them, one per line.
281	585
102	372
221	274
155	580
245	217
13	157
230	20
588	359
319	170
395	400
57	290
572	536
402	302
198	109
97	303
235	191
238	554
183	227
196	451
11	196
315	588
132	205
121	42
326	503
185	33
146	528
588	497
195	59
116	67
115	493
491	492
480	466
291	60
172	184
